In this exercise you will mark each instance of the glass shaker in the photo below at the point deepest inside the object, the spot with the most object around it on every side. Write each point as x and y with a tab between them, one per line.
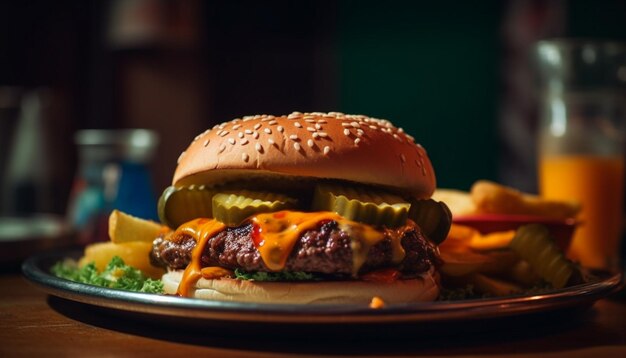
113	174
581	156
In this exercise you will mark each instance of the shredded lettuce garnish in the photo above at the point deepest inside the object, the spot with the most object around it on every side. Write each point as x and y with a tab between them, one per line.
274	276
116	275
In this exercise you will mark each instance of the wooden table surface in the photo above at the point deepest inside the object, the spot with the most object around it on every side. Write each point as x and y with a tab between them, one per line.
33	324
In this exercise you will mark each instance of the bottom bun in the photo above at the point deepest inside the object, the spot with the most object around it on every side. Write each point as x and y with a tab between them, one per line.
422	288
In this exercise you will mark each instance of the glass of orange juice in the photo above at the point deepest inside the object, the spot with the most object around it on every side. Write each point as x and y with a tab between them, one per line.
581	147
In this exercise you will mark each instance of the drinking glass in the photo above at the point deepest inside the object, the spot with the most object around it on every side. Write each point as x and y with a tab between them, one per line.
581	147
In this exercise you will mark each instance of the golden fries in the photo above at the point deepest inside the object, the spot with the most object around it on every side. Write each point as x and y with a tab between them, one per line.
459	202
493	241
135	254
127	228
131	240
492	198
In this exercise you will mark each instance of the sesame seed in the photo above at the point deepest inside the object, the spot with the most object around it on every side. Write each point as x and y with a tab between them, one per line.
322	134
310	143
270	117
245	157
271	141
248	131
400	130
258	147
322	121
357	141
315	134
373	127
346	131
297	146
206	142
311	129
293	137
355	124
346	124
271	123
222	147
403	158
243	142
224	133
318	126
280	128
297	124
221	126
359	132
197	137
309	117
410	137
240	134
310	120
255	135
257	126
231	141
267	130
326	150
180	157
294	115
236	126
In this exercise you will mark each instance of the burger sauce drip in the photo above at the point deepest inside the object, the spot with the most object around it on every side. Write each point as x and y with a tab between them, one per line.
201	230
275	235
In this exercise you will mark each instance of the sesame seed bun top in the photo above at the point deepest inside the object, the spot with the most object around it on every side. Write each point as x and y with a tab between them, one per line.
321	145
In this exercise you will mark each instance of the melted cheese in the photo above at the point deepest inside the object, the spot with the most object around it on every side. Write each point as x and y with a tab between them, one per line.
201	230
275	234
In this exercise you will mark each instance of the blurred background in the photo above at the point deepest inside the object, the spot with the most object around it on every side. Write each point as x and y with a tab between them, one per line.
457	75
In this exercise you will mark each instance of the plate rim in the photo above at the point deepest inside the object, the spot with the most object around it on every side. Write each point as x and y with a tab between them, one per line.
165	305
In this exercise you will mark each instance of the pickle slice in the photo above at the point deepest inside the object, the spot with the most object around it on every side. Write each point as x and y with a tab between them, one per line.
358	204
534	244
233	208
178	205
433	217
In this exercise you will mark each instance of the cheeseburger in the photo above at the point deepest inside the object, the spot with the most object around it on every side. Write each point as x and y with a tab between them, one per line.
302	208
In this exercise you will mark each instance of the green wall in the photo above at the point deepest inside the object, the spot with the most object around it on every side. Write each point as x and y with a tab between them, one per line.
431	69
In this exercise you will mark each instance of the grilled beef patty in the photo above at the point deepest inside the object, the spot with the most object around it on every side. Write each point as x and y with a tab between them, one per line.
325	250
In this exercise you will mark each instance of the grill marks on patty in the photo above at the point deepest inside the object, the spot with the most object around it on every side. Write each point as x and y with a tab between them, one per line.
326	249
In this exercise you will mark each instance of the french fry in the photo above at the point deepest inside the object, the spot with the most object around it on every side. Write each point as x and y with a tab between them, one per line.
459	202
462	263
493	241
493	198
499	263
135	254
127	228
459	239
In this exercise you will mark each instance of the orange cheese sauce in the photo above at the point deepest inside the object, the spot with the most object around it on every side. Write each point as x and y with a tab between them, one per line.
201	230
275	235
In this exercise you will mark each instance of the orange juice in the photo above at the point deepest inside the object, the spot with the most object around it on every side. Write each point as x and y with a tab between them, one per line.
597	182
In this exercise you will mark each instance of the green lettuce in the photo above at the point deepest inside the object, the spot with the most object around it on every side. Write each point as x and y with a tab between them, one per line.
116	275
274	276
